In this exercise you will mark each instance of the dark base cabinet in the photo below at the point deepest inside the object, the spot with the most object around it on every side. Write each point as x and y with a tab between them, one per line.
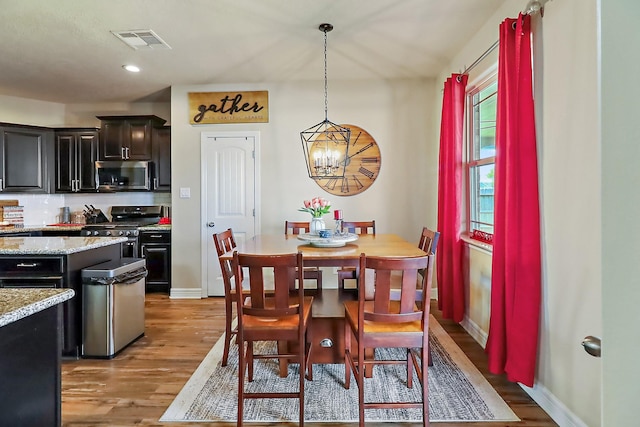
155	248
30	370
60	271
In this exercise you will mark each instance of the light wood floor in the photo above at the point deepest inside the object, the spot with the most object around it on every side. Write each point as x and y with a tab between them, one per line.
138	385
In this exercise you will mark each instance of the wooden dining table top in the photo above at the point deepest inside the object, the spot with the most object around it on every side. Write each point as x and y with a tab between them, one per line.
385	245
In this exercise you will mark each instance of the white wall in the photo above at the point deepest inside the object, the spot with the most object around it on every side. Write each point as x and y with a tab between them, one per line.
30	111
396	113
568	380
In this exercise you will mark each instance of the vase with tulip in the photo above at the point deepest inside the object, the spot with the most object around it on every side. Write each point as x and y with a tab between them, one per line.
316	207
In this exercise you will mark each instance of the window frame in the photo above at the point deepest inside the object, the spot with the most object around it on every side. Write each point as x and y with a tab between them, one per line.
471	163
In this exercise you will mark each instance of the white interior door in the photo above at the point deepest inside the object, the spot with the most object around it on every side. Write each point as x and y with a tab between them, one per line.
229	196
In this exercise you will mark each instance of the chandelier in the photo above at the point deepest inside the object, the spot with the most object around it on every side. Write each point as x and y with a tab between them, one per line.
326	144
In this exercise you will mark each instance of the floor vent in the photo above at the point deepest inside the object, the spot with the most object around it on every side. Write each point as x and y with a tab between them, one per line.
141	39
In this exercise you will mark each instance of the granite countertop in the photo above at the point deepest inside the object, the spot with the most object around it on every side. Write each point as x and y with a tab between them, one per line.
54	245
73	227
16	304
27	228
156	227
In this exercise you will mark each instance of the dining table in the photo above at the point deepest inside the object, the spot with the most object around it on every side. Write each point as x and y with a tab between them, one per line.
327	325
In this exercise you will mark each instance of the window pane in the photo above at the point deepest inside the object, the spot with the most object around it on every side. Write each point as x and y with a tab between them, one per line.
484	122
482	184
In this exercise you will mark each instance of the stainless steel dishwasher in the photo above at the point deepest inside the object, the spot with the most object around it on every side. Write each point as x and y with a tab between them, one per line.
112	306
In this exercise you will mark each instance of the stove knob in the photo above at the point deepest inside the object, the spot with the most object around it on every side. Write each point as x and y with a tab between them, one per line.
107	233
120	233
128	233
95	233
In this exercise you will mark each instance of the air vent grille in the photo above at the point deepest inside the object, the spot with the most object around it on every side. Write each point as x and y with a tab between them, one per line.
141	39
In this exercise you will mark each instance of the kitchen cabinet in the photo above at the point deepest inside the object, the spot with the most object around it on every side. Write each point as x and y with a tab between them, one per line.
76	151
26	159
30	370
161	144
56	271
155	248
127	137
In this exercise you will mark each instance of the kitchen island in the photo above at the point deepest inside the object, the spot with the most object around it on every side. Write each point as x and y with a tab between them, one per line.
30	332
56	263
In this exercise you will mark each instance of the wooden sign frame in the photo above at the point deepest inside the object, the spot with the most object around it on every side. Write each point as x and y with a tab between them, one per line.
228	107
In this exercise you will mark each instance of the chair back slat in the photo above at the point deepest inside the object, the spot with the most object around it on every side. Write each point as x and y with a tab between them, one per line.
359	227
277	302
225	242
296	227
393	289
429	240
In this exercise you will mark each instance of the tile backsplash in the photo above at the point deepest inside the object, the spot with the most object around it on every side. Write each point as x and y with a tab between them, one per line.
43	209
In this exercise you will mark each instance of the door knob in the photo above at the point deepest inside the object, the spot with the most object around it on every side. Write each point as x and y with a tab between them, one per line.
211	224
592	345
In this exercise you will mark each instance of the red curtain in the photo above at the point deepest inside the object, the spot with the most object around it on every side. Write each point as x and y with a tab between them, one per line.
449	260
516	267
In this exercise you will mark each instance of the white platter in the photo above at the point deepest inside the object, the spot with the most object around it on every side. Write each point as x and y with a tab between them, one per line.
328	242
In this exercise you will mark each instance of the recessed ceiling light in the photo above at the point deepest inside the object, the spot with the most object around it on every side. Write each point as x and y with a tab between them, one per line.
131	68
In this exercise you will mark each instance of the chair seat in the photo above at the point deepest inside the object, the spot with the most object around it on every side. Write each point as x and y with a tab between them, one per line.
264	325
351	315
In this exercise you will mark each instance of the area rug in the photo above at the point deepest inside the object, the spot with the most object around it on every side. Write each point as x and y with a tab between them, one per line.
457	391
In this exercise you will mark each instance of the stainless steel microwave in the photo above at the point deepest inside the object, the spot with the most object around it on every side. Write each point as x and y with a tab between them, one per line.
123	176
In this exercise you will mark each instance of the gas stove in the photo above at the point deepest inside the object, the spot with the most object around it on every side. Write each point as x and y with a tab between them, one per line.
111	229
140	215
125	223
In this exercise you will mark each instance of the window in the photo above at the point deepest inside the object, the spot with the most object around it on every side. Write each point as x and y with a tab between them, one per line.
481	155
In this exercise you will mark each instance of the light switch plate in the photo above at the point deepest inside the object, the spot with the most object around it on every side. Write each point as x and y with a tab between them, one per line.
185	192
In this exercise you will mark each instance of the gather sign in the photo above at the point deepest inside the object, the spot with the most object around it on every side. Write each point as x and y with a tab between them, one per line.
229	107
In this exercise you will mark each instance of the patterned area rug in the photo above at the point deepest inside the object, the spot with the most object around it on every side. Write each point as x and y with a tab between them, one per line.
457	391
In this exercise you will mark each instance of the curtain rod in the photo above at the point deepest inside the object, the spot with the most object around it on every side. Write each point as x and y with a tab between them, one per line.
481	57
533	6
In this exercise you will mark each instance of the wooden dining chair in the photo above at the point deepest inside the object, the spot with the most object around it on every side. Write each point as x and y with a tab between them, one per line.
297	227
376	320
283	317
225	242
355	227
428	242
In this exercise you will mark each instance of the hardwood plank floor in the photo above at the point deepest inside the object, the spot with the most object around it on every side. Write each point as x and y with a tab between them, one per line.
136	387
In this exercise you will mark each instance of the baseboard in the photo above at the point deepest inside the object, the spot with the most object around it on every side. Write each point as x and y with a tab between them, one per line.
185	293
540	394
475	331
553	406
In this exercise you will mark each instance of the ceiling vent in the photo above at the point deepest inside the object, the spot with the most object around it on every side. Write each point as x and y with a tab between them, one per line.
141	39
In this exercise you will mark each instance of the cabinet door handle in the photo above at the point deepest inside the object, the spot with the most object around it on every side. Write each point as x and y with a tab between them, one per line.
1	184
155	236
77	185
127	151
122	153
73	185
32	265
155	183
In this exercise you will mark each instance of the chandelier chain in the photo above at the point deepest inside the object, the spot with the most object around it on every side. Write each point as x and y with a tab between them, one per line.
326	103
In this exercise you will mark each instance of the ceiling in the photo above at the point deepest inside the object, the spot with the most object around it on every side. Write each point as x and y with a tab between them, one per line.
64	51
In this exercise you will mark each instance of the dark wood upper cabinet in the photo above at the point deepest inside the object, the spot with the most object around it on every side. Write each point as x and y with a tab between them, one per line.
162	159
26	159
127	137
76	152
